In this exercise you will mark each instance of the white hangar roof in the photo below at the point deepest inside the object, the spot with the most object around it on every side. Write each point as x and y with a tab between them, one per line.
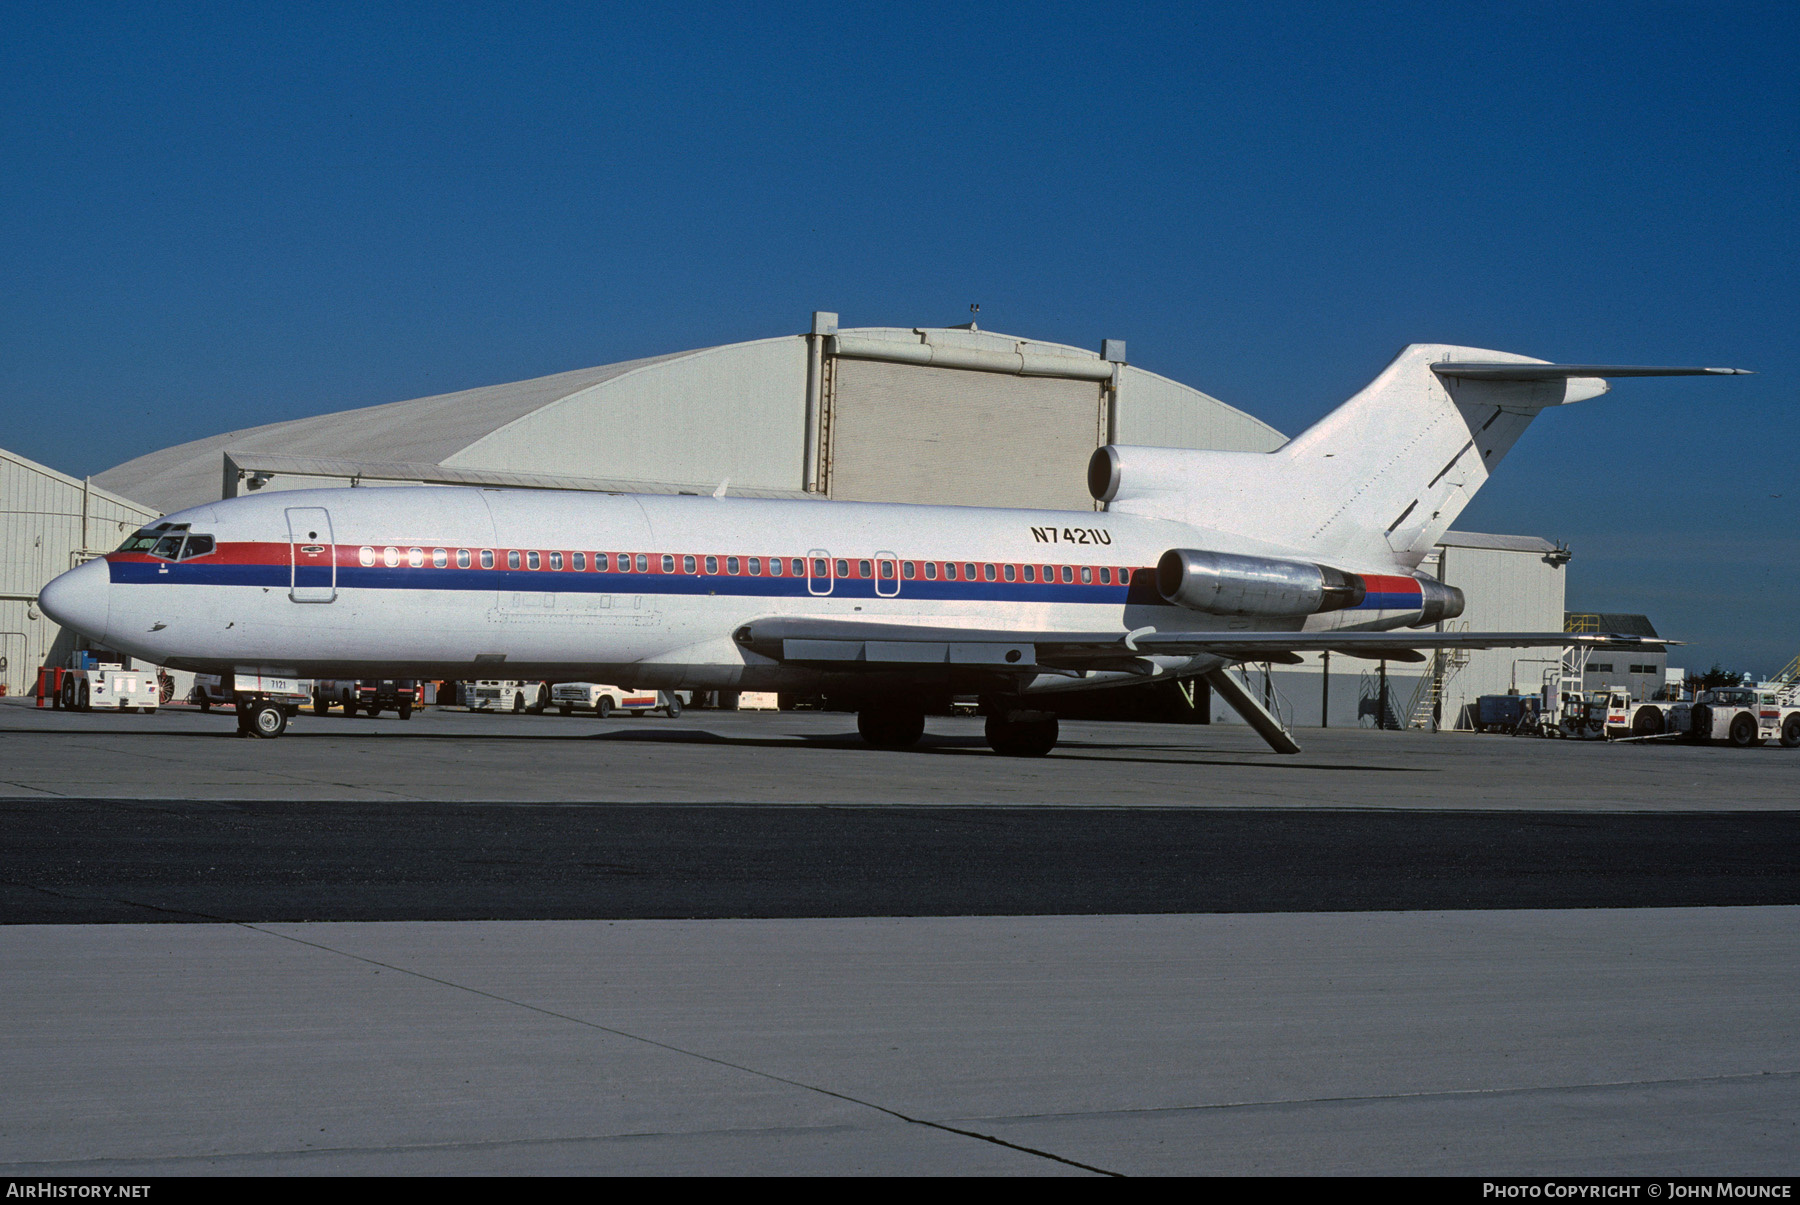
834	410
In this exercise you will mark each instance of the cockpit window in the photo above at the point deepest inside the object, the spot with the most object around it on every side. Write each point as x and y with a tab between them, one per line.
170	542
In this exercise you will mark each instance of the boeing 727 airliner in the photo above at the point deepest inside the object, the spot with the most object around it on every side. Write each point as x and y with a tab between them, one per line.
1199	560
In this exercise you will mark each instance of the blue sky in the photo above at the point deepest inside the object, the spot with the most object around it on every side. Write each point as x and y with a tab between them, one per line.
215	216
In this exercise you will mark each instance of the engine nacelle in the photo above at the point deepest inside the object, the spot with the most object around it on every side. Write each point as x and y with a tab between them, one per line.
1437	602
1223	583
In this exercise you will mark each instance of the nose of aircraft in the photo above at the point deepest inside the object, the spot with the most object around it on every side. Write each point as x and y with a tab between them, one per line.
79	599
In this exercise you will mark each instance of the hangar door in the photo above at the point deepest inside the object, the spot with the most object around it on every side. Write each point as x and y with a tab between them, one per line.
910	433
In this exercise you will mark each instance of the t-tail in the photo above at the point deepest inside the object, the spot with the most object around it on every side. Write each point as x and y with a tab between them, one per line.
1380	478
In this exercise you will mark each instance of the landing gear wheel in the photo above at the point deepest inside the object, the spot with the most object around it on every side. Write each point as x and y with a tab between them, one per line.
1743	732
1022	738
603	708
1790	732
673	710
267	721
891	727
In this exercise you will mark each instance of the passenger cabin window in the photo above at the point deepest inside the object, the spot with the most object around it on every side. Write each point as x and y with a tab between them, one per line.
440	558
987	573
580	560
556	561
969	572
1030	572
821	569
531	560
843	568
415	557
643	563
668	563
390	557
755	564
687	564
731	564
487	558
906	570
512	560
1087	575
462	558
1068	573
931	571
798	567
712	564
950	571
775	566
365	555
864	569
1105	576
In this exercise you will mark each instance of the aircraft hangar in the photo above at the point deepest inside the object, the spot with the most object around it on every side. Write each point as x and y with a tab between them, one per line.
950	415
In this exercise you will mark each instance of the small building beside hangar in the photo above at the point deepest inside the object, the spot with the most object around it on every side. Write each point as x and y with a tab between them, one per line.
49	523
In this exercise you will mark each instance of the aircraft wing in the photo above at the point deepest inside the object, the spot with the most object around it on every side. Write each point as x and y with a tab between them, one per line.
850	645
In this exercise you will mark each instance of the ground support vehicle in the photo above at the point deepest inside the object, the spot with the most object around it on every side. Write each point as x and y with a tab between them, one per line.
515	697
210	691
1510	713
371	696
602	700
1744	716
108	687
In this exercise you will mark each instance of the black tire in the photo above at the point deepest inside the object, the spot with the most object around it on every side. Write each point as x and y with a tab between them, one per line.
1647	722
268	721
405	710
349	708
1743	732
1026	738
321	703
891	727
518	704
1790	732
673	710
83	702
67	694
565	709
205	703
604	707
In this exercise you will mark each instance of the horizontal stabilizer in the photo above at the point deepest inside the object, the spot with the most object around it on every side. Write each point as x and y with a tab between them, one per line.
1561	372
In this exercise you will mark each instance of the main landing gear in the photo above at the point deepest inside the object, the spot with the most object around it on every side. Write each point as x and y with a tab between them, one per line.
1012	731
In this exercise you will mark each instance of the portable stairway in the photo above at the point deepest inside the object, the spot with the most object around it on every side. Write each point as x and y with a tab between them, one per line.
1423	710
1787	684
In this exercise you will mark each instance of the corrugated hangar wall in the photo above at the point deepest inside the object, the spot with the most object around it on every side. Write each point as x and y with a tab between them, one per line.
49	523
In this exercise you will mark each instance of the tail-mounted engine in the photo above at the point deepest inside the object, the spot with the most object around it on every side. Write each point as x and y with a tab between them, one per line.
1222	583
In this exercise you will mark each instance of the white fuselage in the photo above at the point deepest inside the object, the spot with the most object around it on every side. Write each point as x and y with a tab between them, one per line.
479	583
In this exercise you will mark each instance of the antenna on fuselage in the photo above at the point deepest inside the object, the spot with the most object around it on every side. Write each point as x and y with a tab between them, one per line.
720	492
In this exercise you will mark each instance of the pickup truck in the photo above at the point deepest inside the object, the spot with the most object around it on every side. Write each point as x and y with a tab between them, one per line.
570	697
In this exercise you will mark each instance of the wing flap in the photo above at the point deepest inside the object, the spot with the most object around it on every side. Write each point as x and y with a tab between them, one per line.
1508	371
855	644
